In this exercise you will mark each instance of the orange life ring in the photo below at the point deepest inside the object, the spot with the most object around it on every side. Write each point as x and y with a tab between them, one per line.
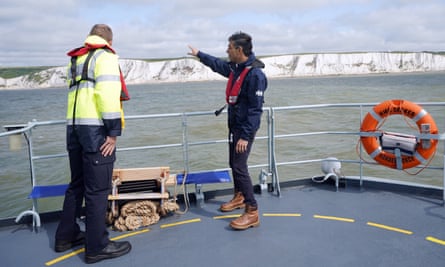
405	108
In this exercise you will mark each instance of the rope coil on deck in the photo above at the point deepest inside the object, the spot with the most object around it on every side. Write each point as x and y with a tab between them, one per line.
140	213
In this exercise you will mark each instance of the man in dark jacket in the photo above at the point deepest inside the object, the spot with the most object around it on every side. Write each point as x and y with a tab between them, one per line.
245	97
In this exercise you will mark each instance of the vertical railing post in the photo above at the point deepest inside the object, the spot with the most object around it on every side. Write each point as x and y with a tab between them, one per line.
185	143
269	145
275	178
443	172
361	147
185	155
35	208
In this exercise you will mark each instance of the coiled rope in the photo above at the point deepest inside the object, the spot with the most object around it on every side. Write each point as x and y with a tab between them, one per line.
140	213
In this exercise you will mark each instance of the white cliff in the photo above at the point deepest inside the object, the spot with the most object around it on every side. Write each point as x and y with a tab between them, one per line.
352	63
298	65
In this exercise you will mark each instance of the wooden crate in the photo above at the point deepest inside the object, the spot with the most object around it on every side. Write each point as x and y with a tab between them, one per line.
160	175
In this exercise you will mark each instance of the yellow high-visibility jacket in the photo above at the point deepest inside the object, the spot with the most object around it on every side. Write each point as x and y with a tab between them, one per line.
94	107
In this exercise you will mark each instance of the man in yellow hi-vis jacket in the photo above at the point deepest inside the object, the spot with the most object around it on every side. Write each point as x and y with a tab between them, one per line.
94	120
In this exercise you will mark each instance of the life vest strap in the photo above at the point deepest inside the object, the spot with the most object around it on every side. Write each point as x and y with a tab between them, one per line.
84	76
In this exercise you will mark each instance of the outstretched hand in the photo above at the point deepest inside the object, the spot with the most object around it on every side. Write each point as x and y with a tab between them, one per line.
193	51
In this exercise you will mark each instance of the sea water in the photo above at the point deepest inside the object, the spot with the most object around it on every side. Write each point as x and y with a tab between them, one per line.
22	106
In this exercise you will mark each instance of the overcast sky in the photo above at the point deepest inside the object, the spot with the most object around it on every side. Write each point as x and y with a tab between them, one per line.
39	33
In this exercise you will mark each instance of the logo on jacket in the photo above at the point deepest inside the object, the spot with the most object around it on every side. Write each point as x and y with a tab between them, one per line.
259	93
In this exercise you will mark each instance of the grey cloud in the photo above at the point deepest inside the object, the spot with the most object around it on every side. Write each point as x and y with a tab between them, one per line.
41	32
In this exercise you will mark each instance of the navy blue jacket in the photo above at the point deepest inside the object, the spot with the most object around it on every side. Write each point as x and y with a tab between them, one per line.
244	116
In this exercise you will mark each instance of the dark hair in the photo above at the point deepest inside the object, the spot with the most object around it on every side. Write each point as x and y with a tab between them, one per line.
243	40
103	31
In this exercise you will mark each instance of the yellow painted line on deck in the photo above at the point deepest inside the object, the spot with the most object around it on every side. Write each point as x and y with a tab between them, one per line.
390	228
281	214
77	252
130	234
227	216
334	218
64	257
435	240
180	223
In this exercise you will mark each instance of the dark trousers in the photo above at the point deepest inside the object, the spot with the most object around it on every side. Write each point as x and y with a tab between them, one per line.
240	172
91	175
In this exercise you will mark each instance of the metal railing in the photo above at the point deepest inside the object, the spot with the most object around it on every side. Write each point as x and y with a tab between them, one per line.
271	137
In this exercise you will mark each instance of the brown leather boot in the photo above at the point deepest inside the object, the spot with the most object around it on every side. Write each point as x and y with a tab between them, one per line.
248	219
237	202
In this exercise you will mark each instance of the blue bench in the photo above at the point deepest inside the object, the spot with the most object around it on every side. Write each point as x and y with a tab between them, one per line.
209	177
200	178
41	191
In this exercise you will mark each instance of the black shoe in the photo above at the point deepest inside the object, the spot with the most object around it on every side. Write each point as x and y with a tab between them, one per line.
63	245
112	250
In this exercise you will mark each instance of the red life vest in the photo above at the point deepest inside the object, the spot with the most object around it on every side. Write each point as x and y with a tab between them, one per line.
233	88
91	47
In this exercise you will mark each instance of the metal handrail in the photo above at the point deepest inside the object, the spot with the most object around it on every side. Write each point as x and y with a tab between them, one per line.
271	137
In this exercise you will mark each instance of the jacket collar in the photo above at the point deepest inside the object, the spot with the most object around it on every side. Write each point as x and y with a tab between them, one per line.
251	61
92	42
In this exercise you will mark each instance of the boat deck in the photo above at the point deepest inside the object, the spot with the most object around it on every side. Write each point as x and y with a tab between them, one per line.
309	225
